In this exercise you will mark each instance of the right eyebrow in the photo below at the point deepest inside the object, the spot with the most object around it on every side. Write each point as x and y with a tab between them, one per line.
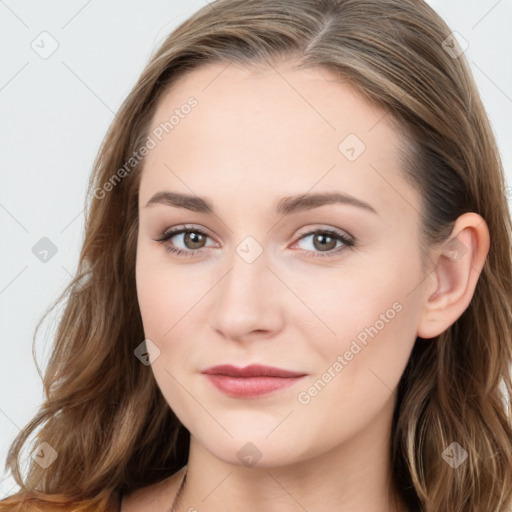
179	200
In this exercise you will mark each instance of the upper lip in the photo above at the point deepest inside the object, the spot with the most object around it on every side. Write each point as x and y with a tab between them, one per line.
253	370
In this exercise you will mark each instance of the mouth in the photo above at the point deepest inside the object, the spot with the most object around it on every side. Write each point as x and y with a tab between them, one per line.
251	381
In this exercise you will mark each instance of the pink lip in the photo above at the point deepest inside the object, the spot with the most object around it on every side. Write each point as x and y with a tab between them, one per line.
251	381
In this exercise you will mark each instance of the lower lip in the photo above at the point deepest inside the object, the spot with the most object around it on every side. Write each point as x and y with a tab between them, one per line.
250	387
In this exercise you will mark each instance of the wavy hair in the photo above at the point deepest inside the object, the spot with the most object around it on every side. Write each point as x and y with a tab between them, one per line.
103	411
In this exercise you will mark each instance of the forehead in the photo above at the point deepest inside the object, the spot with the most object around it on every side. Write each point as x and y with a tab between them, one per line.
273	129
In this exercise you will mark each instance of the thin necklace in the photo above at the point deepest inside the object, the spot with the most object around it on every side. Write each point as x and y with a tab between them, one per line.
172	509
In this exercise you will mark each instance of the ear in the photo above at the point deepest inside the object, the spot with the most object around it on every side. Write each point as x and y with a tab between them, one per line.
451	283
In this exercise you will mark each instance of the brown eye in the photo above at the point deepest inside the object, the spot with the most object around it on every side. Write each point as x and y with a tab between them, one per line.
184	241
194	240
323	242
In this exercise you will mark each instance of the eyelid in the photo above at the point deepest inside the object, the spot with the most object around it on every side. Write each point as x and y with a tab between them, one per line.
347	241
177	230
322	229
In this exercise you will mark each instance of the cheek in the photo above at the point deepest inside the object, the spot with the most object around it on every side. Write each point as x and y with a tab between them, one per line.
165	291
373	312
163	300
343	304
150	293
357	374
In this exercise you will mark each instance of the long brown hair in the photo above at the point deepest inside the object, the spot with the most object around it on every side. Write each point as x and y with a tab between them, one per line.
104	414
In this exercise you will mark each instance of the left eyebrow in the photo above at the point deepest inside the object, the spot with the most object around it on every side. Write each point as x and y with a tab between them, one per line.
294	204
286	205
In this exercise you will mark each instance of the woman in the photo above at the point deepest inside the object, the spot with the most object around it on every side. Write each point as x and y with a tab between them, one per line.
294	289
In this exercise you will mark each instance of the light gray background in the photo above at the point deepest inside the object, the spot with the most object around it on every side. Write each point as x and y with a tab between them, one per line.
55	112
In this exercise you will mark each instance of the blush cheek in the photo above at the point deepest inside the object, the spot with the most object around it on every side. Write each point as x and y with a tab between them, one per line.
154	299
373	330
168	301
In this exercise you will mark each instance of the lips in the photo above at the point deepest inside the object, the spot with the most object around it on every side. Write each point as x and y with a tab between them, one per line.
252	381
253	370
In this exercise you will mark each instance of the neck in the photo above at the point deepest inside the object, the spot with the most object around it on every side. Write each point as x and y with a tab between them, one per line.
356	475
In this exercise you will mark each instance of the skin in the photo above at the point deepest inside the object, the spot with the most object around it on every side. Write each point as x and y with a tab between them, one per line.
257	135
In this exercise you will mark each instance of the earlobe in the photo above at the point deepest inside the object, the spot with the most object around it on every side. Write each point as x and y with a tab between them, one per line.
457	267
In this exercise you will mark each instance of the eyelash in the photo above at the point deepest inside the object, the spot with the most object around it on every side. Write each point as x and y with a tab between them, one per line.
166	236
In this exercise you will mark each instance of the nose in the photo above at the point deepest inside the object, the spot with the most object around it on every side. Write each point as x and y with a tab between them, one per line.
248	301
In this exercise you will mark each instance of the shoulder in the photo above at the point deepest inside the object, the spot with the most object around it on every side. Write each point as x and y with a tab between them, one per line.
153	497
22	502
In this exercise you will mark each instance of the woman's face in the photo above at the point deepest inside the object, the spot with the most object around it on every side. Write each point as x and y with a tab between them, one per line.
272	281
